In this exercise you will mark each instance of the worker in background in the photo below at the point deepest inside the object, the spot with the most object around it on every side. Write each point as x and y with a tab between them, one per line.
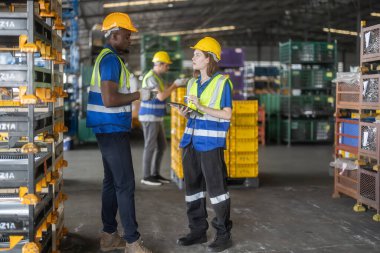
109	116
203	144
151	116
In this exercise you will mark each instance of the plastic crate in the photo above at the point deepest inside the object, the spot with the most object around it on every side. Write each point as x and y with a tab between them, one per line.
323	130
243	145
243	171
245	107
243	158
150	43
244	132
232	58
349	129
301	130
369	90
307	105
170	43
370	44
239	120
307	52
271	102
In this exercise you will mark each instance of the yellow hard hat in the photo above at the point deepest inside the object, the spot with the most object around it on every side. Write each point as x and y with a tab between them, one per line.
118	19
209	45
162	56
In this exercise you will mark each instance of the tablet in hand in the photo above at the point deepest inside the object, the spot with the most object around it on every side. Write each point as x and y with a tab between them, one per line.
180	106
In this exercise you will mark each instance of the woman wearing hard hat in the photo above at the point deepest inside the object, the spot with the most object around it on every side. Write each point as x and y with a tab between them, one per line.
203	144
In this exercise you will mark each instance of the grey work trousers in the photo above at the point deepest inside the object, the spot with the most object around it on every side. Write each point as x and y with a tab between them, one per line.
154	147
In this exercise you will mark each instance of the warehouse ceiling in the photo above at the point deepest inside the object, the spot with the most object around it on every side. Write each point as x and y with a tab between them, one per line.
248	22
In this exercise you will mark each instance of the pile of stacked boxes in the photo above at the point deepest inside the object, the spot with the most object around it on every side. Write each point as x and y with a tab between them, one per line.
32	126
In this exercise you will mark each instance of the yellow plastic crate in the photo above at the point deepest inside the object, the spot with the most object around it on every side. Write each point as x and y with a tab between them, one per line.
244	120
227	156
243	145
249	132
242	158
243	171
245	106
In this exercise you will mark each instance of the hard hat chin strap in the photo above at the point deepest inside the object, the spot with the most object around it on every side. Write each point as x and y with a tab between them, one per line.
108	33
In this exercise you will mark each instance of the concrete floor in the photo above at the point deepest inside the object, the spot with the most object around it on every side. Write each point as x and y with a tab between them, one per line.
292	211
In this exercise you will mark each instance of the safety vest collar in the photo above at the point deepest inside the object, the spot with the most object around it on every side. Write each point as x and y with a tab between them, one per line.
158	79
212	95
124	73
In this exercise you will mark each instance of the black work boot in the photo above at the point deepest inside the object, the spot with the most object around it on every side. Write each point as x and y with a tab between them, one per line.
192	238
220	243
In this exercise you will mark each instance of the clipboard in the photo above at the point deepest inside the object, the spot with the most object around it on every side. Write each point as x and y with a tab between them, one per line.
179	105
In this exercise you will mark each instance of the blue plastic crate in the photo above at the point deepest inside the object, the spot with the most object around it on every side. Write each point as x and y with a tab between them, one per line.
350	129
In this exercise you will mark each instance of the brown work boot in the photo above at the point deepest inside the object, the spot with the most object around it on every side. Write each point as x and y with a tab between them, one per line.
136	247
110	242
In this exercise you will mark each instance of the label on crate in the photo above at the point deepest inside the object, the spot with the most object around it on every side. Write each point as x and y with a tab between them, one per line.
7	126
7	226
7	76
7	176
6	23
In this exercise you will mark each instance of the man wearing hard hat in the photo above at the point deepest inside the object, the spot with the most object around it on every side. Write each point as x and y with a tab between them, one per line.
109	115
151	116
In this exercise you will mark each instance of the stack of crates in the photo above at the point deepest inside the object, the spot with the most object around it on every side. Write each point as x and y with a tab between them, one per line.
306	104
151	43
241	155
178	125
369	126
31	132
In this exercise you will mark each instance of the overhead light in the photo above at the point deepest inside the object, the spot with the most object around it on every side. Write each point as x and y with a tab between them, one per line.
203	30
375	14
338	31
142	2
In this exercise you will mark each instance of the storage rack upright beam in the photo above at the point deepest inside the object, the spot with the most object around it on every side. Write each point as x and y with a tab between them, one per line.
27	120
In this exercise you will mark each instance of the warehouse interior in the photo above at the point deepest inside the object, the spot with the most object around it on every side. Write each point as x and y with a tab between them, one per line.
299	157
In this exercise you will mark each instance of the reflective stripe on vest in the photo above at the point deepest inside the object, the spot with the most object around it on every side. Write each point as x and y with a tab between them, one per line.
206	132
153	110
97	113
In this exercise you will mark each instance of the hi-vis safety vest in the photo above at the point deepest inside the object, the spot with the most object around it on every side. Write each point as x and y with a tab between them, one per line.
152	110
206	132
97	113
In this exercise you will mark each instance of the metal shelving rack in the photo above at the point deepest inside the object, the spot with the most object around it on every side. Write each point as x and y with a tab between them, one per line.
369	127
31	123
311	58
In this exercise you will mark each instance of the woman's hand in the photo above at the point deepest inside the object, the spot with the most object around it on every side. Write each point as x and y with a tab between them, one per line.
184	111
194	100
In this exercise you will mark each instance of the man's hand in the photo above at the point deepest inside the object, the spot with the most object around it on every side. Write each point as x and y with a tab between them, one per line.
147	94
180	82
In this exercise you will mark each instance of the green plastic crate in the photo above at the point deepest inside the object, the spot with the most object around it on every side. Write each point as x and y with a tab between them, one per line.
271	103
85	134
296	52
